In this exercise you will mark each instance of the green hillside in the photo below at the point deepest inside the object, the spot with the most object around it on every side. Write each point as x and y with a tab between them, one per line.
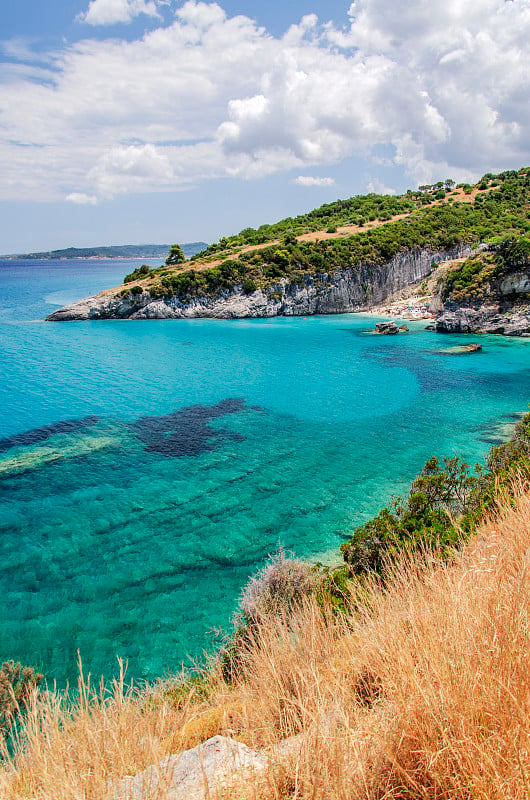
439	216
354	211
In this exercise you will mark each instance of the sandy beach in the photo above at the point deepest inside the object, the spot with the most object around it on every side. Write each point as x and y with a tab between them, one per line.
413	308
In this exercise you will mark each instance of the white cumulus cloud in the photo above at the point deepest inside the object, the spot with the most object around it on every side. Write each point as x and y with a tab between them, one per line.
124	169
377	186
442	88
81	199
308	180
110	12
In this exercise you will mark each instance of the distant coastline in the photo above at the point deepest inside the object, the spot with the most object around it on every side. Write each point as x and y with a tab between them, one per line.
125	251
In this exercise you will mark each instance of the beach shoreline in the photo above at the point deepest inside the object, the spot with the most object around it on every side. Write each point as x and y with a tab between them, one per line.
413	308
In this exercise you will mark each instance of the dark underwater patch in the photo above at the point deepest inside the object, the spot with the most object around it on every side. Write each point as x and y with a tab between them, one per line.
493	441
37	435
186	432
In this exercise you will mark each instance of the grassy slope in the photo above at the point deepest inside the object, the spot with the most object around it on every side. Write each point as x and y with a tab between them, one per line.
420	693
497	206
418	689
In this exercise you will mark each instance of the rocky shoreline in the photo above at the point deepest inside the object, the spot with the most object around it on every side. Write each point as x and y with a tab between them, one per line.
487	319
380	291
493	319
345	290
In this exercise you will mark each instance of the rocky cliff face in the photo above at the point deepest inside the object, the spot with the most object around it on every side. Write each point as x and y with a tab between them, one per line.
512	321
352	289
504	309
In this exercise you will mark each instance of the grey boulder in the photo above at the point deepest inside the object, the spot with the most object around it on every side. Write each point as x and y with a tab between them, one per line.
192	775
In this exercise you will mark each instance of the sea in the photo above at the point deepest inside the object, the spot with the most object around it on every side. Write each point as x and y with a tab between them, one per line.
148	468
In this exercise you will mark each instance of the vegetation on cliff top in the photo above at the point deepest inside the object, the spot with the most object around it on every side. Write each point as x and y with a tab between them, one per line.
499	207
479	275
358	211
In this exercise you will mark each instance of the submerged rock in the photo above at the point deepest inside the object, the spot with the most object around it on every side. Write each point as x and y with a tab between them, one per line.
25	460
37	435
462	349
186	432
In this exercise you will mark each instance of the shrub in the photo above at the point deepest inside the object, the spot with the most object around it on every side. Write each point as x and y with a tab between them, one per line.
140	272
18	685
275	591
136	289
515	252
471	279
289	239
249	286
445	503
423	519
276	587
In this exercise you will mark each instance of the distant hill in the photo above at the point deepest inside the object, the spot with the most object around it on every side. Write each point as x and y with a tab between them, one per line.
117	251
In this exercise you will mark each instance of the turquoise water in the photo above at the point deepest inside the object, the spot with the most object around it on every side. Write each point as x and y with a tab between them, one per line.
148	468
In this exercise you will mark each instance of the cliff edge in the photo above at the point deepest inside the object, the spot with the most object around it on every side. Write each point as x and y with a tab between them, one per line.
343	290
489	292
345	256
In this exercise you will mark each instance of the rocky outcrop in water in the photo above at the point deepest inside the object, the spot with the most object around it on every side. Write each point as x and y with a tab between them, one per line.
387	328
509	321
497	303
351	289
484	320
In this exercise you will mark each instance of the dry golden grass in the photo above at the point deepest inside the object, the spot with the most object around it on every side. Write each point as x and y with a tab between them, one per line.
422	693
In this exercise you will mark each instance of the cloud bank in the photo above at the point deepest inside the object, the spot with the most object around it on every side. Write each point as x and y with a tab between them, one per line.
444	86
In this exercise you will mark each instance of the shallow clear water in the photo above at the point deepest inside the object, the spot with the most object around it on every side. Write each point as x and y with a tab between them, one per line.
191	449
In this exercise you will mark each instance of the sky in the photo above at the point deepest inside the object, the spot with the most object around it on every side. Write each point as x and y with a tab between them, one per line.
136	121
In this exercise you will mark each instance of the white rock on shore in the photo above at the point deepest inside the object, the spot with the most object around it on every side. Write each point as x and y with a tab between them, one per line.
194	774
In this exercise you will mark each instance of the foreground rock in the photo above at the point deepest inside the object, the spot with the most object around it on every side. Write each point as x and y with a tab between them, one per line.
194	774
352	289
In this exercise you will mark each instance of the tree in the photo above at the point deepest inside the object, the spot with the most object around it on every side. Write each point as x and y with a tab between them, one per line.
176	255
423	519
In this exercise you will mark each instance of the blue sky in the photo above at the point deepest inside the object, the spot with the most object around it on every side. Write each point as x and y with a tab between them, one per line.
127	121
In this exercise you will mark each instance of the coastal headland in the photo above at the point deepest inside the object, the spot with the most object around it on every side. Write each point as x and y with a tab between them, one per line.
460	251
